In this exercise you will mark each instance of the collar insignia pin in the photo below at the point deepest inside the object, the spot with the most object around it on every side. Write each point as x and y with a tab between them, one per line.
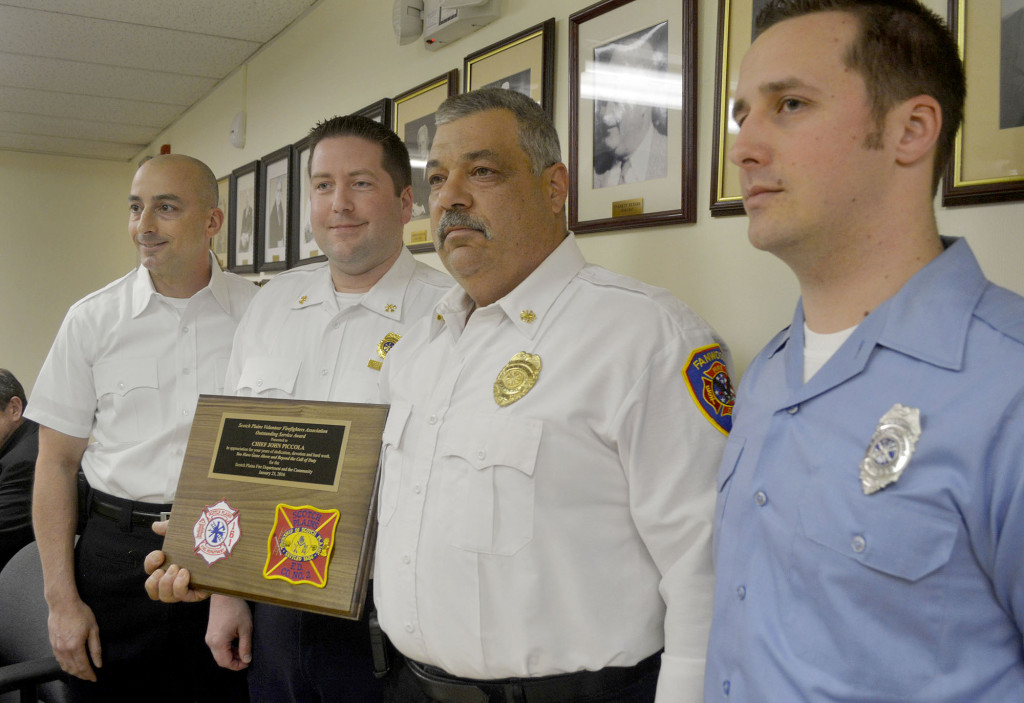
517	378
527	316
890	448
302	300
390	307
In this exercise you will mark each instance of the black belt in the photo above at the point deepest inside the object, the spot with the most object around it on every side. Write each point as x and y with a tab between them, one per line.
441	686
127	512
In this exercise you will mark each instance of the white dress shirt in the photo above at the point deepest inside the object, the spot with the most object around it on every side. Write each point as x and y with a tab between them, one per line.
296	341
127	368
571	529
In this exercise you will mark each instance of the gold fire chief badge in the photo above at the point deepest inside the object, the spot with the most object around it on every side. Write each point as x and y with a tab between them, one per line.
517	378
890	448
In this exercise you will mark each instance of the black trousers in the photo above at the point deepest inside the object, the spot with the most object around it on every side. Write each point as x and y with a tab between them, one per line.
304	657
151	651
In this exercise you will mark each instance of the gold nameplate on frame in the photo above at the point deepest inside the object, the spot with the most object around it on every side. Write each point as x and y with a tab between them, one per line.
625	208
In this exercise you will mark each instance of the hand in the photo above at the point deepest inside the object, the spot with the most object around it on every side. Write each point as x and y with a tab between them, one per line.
229	632
170	585
73	627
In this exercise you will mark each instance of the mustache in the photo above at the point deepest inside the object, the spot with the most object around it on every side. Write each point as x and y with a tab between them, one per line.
458	219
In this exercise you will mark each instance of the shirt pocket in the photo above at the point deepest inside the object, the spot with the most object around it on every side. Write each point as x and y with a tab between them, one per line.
128	394
268	377
487	479
390	461
868	581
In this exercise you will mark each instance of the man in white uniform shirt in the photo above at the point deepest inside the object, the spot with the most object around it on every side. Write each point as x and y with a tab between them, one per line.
321	332
549	456
126	368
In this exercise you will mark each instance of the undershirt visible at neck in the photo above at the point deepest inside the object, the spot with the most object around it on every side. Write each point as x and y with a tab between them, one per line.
347	300
819	348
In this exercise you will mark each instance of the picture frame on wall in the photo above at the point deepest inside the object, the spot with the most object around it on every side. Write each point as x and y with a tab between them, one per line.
272	231
413	121
632	115
987	163
524	62
219	243
302	247
379	111
735	30
243	242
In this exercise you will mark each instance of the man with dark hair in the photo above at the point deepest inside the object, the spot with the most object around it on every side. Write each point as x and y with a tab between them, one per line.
126	369
19	444
548	460
870	516
321	332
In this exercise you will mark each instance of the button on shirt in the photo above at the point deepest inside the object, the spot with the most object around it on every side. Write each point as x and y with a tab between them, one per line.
567	530
127	368
296	342
912	593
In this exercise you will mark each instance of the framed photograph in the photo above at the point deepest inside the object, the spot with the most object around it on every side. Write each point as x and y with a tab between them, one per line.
735	33
302	248
413	121
219	243
275	185
524	62
243	245
379	111
632	115
988	160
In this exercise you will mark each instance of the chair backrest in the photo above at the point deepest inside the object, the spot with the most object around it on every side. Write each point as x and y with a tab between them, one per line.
23	614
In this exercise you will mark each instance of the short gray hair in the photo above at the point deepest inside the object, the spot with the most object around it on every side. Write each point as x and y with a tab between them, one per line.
537	135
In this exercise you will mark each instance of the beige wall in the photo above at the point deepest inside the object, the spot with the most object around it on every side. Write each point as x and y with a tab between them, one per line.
63	233
342	56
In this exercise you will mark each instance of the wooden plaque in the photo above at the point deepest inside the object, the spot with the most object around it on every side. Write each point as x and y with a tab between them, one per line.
253	510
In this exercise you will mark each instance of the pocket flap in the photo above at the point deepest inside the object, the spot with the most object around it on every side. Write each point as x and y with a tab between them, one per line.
122	375
484	442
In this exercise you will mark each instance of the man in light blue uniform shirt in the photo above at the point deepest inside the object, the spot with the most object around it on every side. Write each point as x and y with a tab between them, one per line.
870	517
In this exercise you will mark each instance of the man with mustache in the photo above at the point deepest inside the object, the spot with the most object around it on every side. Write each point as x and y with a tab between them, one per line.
126	369
321	332
870	514
547	469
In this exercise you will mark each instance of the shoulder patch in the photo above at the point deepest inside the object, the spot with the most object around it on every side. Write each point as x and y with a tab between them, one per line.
707	380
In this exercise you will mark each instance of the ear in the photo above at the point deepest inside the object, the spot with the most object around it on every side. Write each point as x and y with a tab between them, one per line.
918	121
406	197
216	219
556	183
14	407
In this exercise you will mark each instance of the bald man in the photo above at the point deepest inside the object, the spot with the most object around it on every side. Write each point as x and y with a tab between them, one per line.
126	369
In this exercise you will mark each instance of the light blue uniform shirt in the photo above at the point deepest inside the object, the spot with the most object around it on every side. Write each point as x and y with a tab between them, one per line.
913	593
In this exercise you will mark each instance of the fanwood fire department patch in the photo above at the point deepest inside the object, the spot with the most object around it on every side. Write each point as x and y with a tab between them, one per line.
300	544
707	379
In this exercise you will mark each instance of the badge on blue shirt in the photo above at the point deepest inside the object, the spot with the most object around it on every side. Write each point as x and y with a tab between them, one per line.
707	379
890	448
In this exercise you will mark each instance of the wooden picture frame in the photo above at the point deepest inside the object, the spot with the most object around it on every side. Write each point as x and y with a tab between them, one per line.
735	30
524	62
275	216
243	242
413	122
987	164
632	154
219	243
379	111
302	247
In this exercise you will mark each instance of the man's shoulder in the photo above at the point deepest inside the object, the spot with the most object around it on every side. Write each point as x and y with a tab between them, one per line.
287	282
639	298
115	290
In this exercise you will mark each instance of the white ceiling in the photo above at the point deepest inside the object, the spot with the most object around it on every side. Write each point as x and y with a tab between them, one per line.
103	78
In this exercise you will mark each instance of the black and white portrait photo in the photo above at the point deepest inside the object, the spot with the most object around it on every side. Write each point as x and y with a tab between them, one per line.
519	82
244	222
276	216
418	136
630	127
1011	65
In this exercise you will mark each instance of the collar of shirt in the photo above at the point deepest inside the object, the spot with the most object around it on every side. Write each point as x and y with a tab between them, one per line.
898	323
527	304
385	298
143	289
